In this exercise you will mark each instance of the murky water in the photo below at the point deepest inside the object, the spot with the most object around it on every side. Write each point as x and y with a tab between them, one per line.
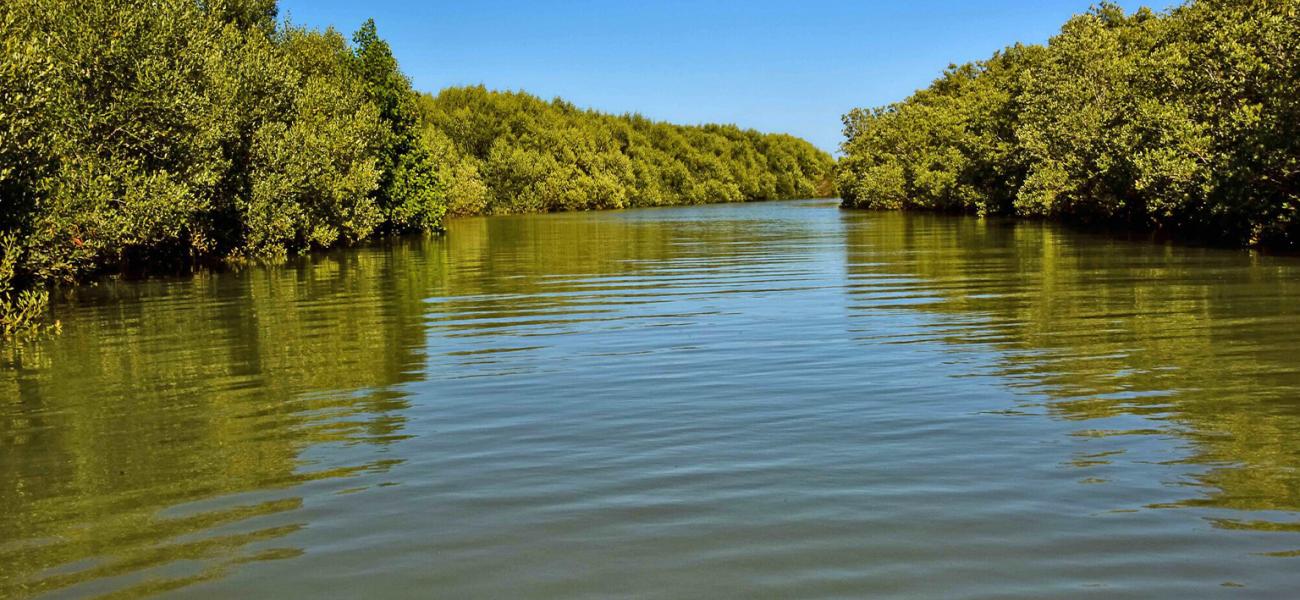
770	400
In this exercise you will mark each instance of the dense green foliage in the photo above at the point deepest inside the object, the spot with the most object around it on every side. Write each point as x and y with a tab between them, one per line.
139	133
1186	121
532	155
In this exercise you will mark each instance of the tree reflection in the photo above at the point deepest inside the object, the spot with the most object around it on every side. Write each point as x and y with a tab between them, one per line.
1199	343
157	431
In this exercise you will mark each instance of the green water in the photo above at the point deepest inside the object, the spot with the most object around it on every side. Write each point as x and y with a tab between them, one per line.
769	400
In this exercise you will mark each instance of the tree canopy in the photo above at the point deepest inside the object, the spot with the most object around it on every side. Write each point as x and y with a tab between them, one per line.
143	133
533	155
1185	121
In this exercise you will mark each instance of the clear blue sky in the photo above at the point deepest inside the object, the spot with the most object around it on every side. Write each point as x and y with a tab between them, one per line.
782	66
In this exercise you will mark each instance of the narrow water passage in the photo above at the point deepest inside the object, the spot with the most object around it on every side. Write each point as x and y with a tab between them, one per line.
763	400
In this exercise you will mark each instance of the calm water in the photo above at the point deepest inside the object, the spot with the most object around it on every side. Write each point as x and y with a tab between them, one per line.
776	400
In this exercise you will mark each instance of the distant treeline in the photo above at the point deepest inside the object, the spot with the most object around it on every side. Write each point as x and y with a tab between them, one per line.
140	133
1186	121
517	153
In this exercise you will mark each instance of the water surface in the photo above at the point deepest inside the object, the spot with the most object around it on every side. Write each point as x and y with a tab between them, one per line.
768	400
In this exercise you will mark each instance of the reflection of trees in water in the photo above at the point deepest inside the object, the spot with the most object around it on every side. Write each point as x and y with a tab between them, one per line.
122	440
1199	342
170	422
512	269
161	437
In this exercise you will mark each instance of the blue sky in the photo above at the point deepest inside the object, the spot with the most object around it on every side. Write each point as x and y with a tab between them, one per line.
792	66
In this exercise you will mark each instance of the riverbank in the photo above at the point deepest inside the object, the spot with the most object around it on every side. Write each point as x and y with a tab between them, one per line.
1183	122
148	134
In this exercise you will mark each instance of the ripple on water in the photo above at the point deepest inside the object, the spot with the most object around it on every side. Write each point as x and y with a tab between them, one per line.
779	400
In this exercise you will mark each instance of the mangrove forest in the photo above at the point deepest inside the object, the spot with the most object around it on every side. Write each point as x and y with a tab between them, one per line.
1185	122
579	301
140	135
